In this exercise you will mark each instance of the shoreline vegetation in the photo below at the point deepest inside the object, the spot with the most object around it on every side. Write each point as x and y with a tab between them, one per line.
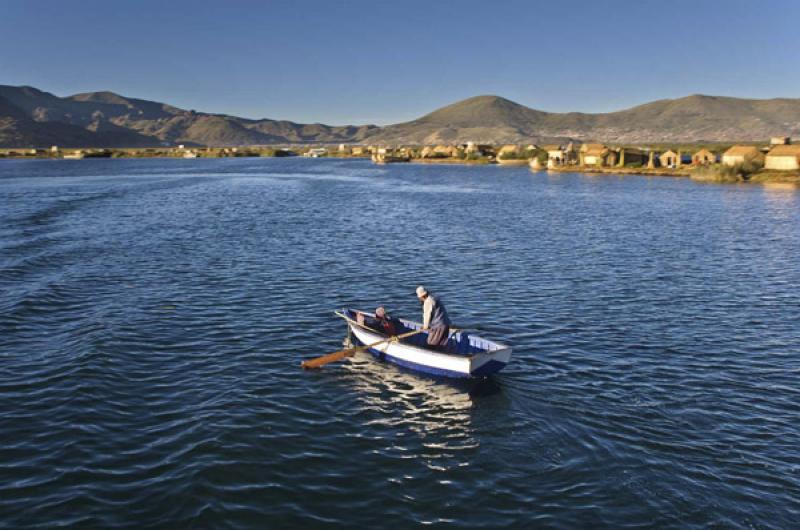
714	163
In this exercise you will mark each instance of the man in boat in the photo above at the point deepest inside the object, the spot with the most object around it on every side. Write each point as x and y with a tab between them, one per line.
434	319
382	322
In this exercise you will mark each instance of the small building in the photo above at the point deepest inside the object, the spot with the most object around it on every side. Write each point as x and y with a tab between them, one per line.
358	150
738	154
385	155
631	156
439	151
473	149
508	149
317	152
669	159
382	154
556	155
571	153
54	149
559	155
704	157
783	157
511	155
597	155
780	140
478	149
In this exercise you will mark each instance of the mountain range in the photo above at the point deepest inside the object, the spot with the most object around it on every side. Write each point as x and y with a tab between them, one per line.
30	117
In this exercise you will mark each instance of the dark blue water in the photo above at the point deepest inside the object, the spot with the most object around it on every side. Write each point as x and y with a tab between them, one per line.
153	315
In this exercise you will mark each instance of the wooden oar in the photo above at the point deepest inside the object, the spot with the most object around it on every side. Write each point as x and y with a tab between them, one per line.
341	354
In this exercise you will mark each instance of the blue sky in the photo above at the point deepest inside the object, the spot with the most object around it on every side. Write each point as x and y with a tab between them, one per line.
385	62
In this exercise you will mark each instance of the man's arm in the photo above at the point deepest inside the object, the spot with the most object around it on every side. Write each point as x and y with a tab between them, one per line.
427	309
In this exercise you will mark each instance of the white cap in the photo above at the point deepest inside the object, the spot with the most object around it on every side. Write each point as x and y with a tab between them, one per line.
421	291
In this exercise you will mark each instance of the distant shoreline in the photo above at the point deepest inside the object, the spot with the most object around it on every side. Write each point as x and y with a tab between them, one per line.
449	161
787	178
655	172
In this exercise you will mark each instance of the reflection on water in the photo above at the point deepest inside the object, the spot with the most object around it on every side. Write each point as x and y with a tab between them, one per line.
435	413
781	186
781	200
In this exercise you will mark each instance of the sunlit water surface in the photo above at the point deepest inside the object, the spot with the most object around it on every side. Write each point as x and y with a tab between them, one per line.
153	314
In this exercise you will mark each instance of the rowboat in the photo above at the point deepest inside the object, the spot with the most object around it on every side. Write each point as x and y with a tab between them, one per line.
466	355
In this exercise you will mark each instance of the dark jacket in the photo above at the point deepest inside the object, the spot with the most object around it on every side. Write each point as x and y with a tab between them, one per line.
387	325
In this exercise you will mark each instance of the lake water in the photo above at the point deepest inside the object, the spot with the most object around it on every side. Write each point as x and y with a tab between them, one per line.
153	315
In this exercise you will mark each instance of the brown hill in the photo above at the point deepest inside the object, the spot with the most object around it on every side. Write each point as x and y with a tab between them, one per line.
18	129
115	120
483	119
31	117
494	119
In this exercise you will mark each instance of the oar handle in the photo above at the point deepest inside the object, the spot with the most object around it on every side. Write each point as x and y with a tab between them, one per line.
390	339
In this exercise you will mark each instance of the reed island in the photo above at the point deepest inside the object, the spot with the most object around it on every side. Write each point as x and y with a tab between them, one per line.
775	160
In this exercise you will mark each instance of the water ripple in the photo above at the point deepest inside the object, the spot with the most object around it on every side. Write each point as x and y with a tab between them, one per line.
153	314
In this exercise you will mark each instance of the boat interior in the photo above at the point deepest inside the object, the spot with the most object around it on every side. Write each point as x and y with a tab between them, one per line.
460	343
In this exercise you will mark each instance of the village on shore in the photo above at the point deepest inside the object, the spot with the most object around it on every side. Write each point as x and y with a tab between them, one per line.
778	161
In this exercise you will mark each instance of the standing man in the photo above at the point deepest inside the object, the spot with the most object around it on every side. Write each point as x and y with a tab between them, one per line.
434	319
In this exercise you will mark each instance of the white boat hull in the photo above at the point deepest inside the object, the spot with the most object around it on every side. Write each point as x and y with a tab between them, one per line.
410	356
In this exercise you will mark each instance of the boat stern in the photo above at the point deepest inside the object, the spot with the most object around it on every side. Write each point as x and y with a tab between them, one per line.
486	364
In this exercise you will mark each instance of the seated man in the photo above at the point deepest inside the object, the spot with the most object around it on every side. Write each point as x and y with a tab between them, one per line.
382	322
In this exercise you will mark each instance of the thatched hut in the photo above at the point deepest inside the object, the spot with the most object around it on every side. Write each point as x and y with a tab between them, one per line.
597	155
669	159
704	157
739	154
783	157
506	150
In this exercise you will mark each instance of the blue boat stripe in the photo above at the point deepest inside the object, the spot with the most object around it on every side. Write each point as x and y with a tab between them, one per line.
485	370
416	366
